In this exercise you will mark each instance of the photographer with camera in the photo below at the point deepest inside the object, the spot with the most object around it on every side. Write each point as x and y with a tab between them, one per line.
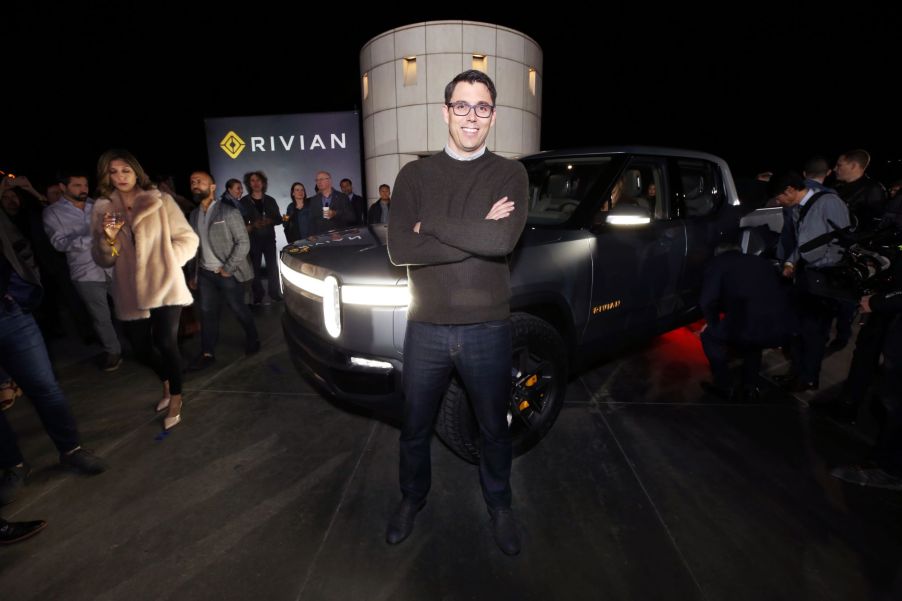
814	215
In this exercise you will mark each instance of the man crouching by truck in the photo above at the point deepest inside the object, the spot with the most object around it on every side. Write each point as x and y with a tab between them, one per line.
455	217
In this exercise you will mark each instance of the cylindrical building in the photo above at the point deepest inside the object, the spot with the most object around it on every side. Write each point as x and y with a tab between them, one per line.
403	76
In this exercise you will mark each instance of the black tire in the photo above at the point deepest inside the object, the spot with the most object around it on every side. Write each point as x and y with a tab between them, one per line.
538	351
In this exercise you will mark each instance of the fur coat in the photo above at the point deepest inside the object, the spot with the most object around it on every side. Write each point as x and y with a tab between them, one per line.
153	245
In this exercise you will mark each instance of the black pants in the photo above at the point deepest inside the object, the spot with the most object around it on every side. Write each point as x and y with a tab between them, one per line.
889	445
815	316
718	350
866	358
160	330
266	249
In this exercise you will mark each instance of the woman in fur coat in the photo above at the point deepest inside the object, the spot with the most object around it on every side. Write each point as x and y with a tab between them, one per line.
142	234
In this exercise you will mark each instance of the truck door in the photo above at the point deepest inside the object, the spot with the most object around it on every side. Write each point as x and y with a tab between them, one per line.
699	199
636	268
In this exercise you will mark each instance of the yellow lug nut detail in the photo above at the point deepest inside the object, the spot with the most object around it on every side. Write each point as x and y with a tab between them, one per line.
523	405
532	380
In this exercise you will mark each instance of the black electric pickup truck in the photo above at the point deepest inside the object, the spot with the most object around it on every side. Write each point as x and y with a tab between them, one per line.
614	250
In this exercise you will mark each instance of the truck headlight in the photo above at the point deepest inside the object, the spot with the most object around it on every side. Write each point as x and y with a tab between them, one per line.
376	296
331	306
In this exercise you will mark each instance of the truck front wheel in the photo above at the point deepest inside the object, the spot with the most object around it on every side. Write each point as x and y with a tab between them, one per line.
538	385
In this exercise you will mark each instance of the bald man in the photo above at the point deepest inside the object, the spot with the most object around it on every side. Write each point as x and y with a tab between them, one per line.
221	267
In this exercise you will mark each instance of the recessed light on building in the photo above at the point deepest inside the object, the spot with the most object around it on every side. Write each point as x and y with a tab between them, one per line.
481	62
410	70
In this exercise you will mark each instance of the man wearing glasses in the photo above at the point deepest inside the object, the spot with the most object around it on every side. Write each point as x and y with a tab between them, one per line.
455	218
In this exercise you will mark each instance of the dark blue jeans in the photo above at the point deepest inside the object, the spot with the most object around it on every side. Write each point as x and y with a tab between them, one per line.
214	289
23	355
481	354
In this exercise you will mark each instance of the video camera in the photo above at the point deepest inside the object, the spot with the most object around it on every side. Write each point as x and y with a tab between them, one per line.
870	262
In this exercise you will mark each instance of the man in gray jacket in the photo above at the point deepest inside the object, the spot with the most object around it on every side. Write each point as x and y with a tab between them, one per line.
221	266
815	216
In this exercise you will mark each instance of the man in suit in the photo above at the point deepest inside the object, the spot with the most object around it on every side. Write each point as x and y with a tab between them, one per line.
330	209
221	266
358	202
378	213
747	308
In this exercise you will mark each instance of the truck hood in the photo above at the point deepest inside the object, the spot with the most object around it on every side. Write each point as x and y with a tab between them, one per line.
356	255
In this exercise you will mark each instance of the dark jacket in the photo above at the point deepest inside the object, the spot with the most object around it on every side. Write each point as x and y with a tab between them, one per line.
866	200
358	206
374	214
752	297
270	210
344	213
299	224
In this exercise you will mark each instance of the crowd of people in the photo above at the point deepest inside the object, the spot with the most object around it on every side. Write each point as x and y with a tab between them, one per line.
149	251
141	249
751	304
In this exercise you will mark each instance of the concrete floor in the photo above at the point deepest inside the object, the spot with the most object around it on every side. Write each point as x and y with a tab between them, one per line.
644	489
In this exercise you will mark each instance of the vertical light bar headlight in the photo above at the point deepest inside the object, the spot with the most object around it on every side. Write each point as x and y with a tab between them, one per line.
332	306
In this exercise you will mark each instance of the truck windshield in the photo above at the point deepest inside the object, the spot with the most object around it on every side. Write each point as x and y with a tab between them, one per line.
558	187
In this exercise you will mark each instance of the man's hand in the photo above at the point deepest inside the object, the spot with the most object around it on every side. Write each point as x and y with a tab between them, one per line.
501	209
865	304
788	270
416	227
224	273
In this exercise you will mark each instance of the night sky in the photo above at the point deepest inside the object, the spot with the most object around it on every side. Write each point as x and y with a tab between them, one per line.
765	89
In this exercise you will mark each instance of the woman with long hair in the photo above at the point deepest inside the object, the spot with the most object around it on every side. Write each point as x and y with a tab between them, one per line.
142	234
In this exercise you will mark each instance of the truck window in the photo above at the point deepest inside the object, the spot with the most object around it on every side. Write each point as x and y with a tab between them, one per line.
700	191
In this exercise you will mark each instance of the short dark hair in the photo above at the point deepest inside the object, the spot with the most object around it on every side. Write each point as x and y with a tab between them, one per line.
789	179
471	76
816	166
346	180
232	182
384	186
860	156
64	176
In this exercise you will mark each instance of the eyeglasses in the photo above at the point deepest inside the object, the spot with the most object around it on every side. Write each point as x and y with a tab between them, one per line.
462	109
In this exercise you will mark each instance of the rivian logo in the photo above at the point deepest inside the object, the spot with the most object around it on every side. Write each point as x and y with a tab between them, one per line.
615	304
232	144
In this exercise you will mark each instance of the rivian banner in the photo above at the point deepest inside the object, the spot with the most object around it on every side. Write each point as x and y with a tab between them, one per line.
288	149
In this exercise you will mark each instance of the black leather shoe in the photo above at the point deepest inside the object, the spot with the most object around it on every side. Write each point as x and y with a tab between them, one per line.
401	523
504	529
11	482
13	532
84	461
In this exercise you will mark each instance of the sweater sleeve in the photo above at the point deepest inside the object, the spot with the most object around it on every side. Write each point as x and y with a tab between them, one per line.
486	237
406	247
184	240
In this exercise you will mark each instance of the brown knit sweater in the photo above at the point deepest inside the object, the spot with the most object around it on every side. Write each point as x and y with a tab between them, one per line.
457	265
